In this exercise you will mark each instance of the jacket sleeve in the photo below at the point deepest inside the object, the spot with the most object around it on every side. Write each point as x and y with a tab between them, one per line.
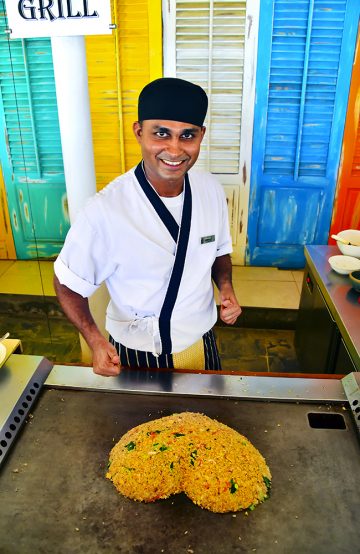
83	264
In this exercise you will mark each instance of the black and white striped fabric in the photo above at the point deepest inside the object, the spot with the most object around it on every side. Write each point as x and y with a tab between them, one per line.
139	358
212	358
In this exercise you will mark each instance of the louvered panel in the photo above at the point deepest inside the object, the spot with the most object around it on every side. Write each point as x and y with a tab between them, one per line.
210	52
31	154
214	44
29	100
118	68
17	115
300	110
104	106
306	47
44	105
140	61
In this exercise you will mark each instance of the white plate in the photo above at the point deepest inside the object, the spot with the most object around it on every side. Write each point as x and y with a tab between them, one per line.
344	264
2	353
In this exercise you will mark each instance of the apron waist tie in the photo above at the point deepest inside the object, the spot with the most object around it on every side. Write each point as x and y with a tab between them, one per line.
150	325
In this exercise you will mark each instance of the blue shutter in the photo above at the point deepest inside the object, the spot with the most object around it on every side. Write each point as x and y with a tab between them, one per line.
305	55
30	146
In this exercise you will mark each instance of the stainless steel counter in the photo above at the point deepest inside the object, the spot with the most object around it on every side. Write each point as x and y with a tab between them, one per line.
341	298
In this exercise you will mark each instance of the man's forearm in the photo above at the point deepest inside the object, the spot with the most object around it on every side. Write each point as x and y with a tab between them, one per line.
222	275
221	271
77	310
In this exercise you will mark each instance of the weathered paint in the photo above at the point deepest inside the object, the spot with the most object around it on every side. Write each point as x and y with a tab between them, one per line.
7	247
31	150
346	213
140	61
214	44
306	50
119	66
30	147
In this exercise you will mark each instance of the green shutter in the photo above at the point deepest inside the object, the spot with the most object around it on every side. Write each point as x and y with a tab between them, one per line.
31	153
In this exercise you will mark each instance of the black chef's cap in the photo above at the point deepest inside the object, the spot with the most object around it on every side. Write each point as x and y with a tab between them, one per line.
173	99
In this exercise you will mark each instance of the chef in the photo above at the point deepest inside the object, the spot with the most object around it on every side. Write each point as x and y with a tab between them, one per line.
157	236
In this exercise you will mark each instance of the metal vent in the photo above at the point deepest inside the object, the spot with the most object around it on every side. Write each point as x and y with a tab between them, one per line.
20	384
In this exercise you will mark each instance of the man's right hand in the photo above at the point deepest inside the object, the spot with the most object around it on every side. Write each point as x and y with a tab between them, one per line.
106	360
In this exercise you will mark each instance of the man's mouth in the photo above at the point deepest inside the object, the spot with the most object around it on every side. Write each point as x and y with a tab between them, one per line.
172	164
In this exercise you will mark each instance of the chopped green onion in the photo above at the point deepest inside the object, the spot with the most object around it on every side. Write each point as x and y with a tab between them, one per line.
193	455
130	446
267	482
234	486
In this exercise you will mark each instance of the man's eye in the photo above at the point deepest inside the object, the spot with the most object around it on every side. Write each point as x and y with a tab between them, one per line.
188	136
161	134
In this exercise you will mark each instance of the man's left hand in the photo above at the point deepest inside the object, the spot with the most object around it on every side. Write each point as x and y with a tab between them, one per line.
229	307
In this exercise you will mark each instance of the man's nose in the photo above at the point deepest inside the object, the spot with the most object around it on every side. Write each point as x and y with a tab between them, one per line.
174	147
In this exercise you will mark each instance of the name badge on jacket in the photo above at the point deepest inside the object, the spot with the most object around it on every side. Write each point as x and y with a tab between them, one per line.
209	238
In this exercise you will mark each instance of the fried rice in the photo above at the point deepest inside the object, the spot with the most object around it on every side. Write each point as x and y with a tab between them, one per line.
217	467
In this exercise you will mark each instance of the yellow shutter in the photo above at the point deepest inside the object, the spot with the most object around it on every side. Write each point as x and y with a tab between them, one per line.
140	60
105	107
119	65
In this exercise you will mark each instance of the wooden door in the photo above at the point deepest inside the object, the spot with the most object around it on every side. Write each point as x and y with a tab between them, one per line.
306	51
346	213
30	147
119	66
214	44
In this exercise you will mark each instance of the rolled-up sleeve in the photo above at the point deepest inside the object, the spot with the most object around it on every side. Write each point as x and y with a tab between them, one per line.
83	263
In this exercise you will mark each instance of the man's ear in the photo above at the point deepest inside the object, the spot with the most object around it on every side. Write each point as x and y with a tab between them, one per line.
203	130
137	128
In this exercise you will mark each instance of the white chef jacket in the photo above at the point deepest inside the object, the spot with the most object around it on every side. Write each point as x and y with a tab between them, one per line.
120	239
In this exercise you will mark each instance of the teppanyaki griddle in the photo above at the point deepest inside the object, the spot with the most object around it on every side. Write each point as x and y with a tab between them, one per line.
55	498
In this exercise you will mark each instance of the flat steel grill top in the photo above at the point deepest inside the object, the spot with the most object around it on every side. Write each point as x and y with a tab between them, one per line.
55	498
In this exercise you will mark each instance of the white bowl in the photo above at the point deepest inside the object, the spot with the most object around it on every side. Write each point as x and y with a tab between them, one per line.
352	235
344	264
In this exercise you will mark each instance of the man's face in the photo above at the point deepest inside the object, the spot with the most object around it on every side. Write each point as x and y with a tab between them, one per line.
169	150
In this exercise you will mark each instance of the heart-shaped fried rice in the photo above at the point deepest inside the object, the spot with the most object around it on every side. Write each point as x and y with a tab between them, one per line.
216	467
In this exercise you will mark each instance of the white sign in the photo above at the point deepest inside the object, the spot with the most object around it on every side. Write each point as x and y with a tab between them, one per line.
51	18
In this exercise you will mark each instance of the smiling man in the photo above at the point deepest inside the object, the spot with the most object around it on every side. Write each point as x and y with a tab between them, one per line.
157	236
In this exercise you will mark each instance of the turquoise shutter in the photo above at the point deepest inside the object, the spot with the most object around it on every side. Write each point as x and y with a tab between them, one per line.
305	55
30	146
